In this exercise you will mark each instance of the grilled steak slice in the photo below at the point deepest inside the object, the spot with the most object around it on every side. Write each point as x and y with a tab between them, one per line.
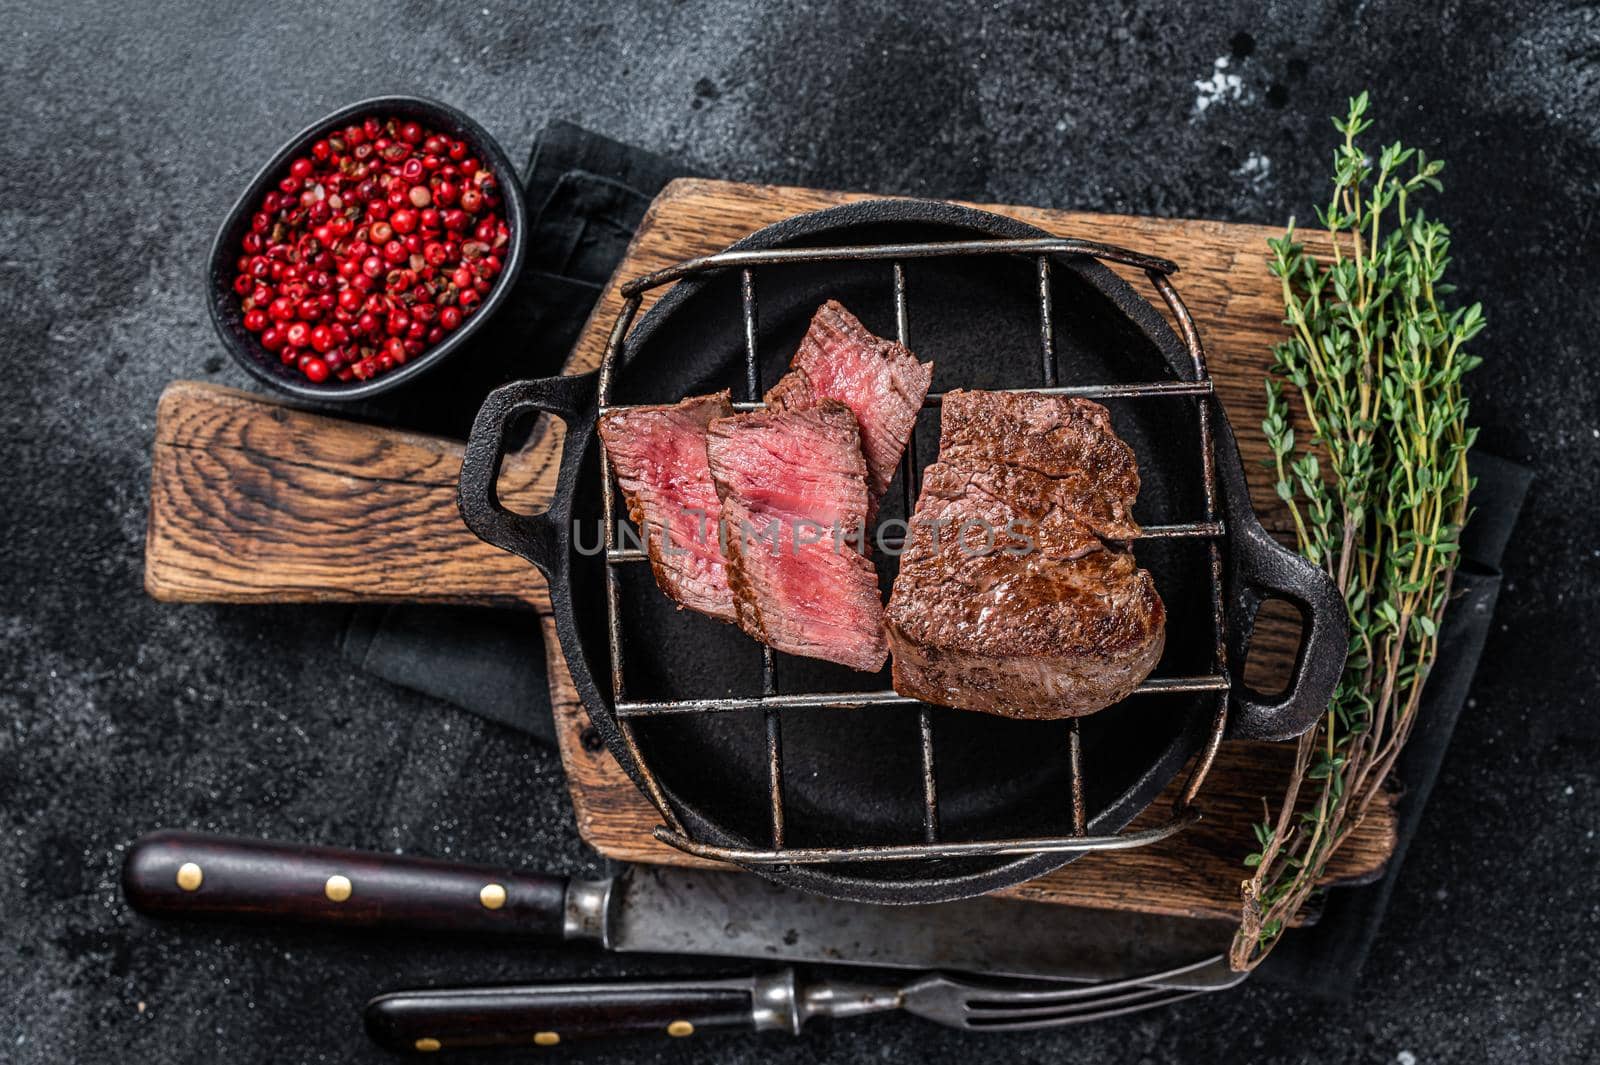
881	382
794	501
1014	597
1068	442
659	455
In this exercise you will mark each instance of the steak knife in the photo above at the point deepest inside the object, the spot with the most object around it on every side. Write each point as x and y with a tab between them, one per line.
654	909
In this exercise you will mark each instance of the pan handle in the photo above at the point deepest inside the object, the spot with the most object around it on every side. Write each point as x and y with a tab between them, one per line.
1264	569
1260	568
539	538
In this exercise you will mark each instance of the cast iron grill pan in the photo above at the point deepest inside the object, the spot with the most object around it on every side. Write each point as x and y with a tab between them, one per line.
899	801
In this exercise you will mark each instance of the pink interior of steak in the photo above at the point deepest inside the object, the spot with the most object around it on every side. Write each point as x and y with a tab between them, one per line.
659	455
881	382
794	498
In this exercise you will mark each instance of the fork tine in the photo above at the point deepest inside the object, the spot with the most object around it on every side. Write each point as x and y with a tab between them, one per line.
983	1013
982	996
1079	1015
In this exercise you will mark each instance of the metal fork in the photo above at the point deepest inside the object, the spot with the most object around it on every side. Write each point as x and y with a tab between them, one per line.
1014	1007
547	1014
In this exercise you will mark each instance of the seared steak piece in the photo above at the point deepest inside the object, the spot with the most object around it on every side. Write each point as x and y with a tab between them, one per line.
1014	596
659	455
794	501
881	382
1068	443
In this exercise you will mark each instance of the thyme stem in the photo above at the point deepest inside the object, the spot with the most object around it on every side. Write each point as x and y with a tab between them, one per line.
1377	363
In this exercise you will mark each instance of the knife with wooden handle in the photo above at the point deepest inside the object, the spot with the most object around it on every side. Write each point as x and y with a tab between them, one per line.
645	909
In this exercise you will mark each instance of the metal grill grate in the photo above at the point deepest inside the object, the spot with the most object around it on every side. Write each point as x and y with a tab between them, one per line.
772	702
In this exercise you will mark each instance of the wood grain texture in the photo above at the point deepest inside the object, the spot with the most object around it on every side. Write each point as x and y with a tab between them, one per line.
253	501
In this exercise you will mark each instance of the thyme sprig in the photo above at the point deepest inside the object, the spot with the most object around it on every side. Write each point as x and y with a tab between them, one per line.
1378	497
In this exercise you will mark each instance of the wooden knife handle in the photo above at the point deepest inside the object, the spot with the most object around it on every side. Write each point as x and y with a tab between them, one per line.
549	1014
183	874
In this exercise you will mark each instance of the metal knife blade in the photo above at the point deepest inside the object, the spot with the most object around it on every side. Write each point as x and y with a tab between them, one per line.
657	909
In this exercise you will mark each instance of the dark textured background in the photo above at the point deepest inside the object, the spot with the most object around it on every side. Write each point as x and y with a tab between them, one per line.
128	130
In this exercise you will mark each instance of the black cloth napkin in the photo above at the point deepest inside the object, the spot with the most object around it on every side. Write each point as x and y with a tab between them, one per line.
586	196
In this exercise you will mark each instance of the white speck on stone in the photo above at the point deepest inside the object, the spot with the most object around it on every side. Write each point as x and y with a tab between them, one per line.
1256	169
1567	790
1441	894
1218	87
1061	127
1405	1057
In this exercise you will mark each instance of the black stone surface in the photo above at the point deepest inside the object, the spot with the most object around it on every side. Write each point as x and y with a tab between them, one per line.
129	128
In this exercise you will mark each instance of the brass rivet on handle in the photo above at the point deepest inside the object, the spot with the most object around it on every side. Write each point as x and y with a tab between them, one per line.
338	889
546	1039
190	876
493	896
426	1044
679	1029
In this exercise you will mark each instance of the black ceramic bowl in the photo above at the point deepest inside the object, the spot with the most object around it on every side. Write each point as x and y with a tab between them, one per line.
228	315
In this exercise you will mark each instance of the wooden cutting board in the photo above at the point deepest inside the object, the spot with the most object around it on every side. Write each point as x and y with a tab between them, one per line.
253	501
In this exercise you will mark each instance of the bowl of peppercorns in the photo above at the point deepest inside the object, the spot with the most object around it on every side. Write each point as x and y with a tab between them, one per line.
370	248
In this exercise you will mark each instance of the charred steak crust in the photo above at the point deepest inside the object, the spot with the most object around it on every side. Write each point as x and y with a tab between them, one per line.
1044	615
1068	441
659	456
881	382
793	491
